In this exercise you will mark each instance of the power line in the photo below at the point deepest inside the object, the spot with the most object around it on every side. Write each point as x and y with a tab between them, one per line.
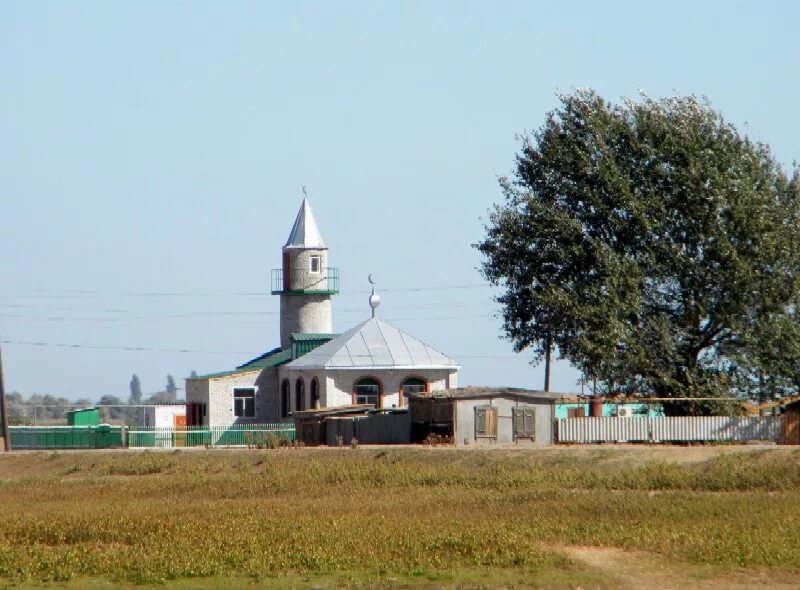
196	351
125	348
210	319
85	293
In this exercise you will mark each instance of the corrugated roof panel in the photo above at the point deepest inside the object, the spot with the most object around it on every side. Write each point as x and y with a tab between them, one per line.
437	358
359	351
417	350
340	358
373	343
302	336
382	354
397	346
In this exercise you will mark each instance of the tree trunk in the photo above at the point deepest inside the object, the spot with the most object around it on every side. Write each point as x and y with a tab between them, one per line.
547	355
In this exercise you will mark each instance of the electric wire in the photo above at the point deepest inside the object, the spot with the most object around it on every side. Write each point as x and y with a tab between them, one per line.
129	348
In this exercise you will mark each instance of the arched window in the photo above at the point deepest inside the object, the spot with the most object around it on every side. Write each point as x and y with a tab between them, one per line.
414	385
299	394
285	398
314	393
367	391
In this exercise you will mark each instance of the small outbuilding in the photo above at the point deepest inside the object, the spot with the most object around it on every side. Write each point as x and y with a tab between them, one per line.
341	425
165	415
83	417
484	416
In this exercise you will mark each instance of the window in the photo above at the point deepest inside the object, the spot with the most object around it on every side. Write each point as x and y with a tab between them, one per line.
244	402
485	422
414	385
367	391
314	265
285	398
524	422
576	412
315	393
300	394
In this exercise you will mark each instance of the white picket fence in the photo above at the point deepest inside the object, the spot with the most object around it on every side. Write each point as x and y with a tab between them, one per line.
669	429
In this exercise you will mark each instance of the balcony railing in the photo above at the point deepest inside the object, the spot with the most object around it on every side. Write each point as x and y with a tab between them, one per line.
325	282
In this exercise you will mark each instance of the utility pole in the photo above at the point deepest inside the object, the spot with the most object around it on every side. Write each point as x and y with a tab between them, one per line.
3	414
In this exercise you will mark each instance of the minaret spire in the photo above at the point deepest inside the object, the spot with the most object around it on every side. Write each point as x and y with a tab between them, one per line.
305	231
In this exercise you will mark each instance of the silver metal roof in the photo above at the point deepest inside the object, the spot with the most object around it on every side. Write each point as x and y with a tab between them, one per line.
305	232
373	344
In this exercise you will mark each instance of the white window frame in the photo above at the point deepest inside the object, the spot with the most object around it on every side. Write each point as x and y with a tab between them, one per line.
254	389
366	397
311	260
424	385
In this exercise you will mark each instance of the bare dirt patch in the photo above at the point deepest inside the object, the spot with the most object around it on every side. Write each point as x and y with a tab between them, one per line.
638	569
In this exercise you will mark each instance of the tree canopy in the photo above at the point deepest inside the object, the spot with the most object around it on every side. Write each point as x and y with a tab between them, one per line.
136	390
654	245
171	389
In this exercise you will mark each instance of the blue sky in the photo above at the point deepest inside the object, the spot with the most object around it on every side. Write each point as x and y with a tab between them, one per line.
152	156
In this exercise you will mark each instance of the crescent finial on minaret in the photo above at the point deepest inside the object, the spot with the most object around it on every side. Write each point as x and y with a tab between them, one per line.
374	299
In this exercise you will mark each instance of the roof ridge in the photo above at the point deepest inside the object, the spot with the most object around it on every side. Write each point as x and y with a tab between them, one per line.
425	344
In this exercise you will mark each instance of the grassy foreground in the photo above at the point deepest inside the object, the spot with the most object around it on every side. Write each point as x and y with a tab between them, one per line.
402	517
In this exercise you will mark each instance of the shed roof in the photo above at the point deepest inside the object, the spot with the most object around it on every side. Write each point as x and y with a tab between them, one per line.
305	232
271	358
483	392
334	411
374	344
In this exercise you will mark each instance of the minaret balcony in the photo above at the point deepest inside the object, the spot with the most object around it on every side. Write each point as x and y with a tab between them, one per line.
305	282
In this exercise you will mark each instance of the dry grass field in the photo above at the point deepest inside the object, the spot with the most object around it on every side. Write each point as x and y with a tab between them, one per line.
588	517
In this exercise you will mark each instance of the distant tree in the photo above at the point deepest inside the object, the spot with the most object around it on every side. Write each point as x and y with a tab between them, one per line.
17	409
193	374
113	413
136	391
652	246
162	397
171	389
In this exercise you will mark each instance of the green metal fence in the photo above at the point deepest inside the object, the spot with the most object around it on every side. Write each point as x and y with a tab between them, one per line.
235	435
102	436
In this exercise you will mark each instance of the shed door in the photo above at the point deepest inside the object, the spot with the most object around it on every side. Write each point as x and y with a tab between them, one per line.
524	423
486	422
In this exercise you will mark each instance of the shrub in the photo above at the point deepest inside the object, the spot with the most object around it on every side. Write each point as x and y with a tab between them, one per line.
437	440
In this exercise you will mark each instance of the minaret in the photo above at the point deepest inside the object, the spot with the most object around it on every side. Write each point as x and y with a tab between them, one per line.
305	282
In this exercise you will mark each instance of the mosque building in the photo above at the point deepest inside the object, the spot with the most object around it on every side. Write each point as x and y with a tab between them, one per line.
371	363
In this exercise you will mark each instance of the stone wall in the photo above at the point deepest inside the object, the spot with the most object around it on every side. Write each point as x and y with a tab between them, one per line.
304	314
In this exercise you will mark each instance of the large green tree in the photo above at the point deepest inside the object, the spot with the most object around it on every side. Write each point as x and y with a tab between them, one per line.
652	244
